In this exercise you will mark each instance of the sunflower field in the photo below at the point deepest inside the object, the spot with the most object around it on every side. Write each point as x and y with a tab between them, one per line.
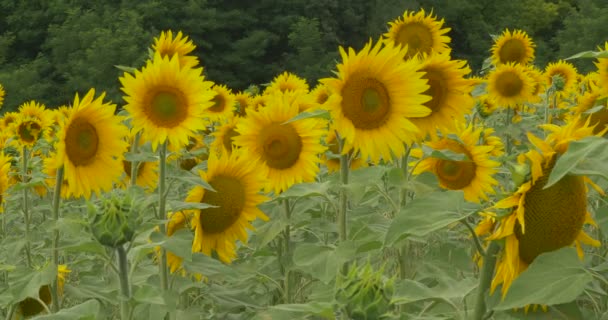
403	185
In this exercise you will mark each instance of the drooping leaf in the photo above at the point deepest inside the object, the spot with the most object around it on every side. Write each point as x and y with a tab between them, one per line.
585	157
88	310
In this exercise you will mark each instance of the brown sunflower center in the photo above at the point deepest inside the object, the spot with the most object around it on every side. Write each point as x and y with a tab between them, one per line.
30	307
29	131
513	50
417	36
167	108
599	119
365	102
553	217
322	97
438	89
242	110
230	201
509	84
281	145
219	103
227	138
127	166
81	142
455	175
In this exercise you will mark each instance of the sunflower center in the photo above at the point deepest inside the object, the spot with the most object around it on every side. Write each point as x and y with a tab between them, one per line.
417	37
553	217
437	90
455	175
600	120
29	131
230	202
509	84
167	108
227	138
219	103
127	166
30	307
322	97
513	50
281	145
365	102
81	142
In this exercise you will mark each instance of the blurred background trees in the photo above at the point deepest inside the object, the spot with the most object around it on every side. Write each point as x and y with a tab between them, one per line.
51	49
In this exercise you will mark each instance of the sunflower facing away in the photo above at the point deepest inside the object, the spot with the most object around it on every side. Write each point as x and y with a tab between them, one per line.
419	32
449	92
223	103
167	46
474	174
237	182
243	100
91	145
509	85
513	47
286	82
373	96
542	220
566	71
602	70
167	102
289	152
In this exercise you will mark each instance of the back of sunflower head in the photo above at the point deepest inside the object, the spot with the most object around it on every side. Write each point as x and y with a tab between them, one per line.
114	218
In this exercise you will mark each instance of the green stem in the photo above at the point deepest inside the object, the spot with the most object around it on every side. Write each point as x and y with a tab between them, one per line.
287	239
26	212
507	124
164	276
11	310
56	202
125	288
404	250
342	229
134	164
478	244
485	279
404	168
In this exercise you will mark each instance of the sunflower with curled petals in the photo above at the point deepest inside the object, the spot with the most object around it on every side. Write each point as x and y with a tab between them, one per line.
513	47
30	124
287	151
167	102
237	182
542	219
421	33
473	174
223	143
168	46
91	146
374	95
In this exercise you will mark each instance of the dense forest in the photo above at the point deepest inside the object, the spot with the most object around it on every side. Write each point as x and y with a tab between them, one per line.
51	49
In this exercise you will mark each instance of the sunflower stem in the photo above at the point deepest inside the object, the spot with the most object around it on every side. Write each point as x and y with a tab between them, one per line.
287	239
162	152
507	137
343	197
478	244
56	201
26	212
404	250
134	164
125	288
485	279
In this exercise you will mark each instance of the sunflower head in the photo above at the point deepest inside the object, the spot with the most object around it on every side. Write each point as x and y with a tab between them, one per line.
513	47
320	94
562	76
602	70
486	106
419	32
30	123
2	94
509	84
243	101
223	142
333	150
286	82
223	103
168	46
5	182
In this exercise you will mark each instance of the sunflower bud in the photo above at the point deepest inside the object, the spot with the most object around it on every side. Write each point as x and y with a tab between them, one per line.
114	219
558	82
365	293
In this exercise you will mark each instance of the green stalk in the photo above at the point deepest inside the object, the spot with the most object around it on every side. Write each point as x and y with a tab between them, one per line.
404	250
56	201
508	138
485	279
26	211
125	288
162	152
342	230
287	239
134	164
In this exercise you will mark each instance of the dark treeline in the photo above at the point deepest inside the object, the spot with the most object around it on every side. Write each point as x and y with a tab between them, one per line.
50	49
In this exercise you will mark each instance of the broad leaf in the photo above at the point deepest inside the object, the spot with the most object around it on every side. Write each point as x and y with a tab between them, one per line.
324	114
589	55
88	310
585	157
306	190
319	261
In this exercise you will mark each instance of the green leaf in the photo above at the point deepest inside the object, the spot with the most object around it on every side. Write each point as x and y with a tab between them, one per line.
176	206
88	310
192	179
408	291
428	214
268	231
306	190
319	261
445	154
88	291
209	267
27	282
589	55
149	295
324	114
179	243
585	157
553	278
125	68
323	309
141	157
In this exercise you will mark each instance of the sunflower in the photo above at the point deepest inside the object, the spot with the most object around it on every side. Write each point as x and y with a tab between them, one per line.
333	164
258	102
223	103
449	92
30	123
176	221
586	102
542	219
237	182
474	174
509	84
539	84
513	47
321	94
286	82
566	71
167	102
91	145
223	142
9	118
374	95
243	100
2	94
488	138
287	151
602	70
147	174
303	99
49	168
30	307
419	32
485	106
5	182
167	46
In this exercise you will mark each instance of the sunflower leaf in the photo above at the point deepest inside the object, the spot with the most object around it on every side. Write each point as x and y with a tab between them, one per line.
584	157
553	278
589	54
193	180
324	114
176	206
306	190
86	310
444	154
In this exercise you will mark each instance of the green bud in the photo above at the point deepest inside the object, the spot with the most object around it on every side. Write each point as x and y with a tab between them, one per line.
114	219
558	82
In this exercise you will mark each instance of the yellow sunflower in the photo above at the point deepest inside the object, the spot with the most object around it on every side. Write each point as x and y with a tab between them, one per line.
539	84
333	164
243	100
167	46
449	92
566	71
320	94
176	221
237	182
303	99
91	145
167	102
474	174
30	123
485	106
147	174
30	307
513	47
9	118
419	32
373	96
587	101
542	220
286	82
49	168
258	102
2	94
509	84
602	70
5	182
223	103
223	143
289	152
488	138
